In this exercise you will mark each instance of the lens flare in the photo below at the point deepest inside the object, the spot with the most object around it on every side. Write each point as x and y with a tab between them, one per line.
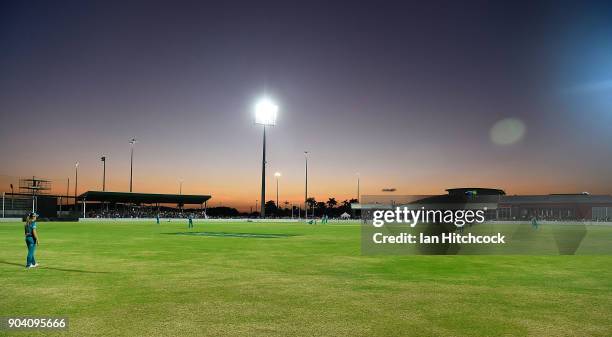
507	131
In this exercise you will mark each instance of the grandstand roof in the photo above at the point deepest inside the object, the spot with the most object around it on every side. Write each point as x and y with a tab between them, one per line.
143	198
556	198
478	190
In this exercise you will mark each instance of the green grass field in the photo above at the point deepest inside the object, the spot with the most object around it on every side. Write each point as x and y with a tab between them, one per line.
138	279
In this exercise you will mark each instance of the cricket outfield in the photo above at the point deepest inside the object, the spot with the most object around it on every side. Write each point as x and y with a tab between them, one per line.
286	279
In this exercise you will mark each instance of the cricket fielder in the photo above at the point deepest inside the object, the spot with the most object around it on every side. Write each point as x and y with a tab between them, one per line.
31	239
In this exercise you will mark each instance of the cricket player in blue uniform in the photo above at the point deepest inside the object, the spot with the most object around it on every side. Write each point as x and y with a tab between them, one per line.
534	222
190	217
31	239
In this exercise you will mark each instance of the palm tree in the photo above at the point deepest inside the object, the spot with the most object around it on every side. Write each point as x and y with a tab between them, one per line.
271	207
355	212
346	204
311	201
331	203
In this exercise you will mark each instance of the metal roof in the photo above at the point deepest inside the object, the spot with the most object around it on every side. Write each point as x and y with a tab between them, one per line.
555	198
478	190
143	198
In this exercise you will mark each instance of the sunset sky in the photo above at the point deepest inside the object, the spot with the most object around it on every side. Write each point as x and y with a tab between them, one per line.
417	97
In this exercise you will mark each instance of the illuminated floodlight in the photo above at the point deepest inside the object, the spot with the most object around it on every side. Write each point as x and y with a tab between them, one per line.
265	112
277	174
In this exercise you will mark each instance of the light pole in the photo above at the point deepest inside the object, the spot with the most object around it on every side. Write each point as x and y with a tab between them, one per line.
181	186
103	160
12	197
306	187
132	142
76	182
265	114
277	175
358	195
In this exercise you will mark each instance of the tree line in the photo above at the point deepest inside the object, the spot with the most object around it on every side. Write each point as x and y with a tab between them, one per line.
332	208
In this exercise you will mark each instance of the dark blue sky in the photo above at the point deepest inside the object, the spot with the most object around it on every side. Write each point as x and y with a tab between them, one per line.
408	94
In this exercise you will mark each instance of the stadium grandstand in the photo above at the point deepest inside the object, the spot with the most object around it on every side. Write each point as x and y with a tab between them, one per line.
554	207
34	194
98	204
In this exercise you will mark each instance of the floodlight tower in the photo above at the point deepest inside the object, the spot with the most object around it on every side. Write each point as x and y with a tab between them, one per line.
306	187
76	181
265	114
132	142
277	175
12	197
358	195
103	160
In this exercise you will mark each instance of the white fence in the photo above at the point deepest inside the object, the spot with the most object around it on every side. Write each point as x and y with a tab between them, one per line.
206	220
547	222
180	219
10	219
